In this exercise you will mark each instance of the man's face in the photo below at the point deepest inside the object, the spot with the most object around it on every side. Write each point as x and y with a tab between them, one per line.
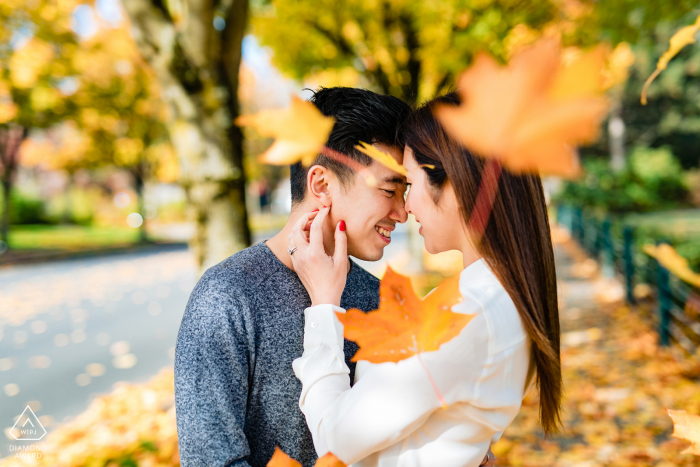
371	207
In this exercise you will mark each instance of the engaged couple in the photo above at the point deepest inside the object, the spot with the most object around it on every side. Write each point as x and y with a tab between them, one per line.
261	361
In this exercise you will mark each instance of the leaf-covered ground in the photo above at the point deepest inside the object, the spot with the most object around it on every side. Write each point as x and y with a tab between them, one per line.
618	383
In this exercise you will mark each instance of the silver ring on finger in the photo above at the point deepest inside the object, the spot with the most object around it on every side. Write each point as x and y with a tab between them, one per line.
488	459
291	251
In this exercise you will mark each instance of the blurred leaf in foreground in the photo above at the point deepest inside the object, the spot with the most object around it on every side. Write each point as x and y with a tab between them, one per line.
669	258
686	426
381	157
530	114
300	132
684	36
404	324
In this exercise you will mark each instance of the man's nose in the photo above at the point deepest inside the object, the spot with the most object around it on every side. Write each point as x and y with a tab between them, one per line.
399	213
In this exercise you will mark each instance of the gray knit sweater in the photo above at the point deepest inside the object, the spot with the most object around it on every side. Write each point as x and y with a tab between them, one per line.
236	395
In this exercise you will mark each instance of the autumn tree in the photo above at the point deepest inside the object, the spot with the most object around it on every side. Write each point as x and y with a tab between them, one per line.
36	44
414	49
194	49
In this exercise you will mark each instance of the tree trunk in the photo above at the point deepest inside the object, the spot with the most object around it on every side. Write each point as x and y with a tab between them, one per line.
140	205
11	137
197	67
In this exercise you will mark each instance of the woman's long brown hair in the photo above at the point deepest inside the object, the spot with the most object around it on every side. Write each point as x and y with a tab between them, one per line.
516	243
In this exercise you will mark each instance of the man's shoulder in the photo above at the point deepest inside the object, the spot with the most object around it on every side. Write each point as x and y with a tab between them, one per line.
245	269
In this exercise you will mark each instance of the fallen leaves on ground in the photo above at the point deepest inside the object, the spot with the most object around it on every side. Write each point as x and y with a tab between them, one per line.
618	383
300	132
687	427
684	36
404	324
530	114
669	258
133	425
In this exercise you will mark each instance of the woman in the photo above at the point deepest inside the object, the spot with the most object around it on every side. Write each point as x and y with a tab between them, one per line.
392	415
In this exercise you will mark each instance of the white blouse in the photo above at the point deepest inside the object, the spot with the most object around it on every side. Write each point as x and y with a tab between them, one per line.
392	415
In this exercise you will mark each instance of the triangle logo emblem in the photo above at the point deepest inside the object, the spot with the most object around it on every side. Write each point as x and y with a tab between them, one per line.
28	427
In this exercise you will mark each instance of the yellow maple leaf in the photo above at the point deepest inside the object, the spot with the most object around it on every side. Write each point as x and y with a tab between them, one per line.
530	114
686	426
300	132
669	258
381	157
684	36
404	324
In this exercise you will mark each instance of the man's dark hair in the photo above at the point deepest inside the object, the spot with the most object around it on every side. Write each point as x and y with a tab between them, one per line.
360	115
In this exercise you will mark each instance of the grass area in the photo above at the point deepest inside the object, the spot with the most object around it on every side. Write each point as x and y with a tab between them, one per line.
77	237
70	237
682	222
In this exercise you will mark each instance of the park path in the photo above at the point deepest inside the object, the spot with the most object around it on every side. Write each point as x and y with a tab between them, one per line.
617	381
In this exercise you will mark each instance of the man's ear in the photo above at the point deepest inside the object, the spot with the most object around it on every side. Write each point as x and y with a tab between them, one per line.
318	181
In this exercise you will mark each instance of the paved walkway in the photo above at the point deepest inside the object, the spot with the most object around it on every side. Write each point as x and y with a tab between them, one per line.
617	382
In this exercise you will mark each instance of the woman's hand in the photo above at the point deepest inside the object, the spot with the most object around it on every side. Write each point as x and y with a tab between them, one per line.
489	460
323	276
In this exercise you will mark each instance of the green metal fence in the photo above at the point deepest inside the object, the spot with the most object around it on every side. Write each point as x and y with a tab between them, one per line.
674	304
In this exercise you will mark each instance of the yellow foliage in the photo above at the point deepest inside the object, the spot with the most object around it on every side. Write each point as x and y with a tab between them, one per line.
28	62
127	151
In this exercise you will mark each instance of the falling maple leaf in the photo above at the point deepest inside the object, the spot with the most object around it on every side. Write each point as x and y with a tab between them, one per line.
530	114
329	460
405	325
669	258
300	132
280	459
381	157
684	36
686	426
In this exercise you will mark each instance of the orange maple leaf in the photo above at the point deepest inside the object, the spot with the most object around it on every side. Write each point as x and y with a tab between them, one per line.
280	459
329	460
300	132
686	426
530	114
404	324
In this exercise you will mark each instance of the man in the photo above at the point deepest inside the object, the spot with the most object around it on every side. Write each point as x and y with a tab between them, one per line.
235	391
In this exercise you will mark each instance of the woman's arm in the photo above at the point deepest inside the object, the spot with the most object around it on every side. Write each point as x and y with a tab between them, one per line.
391	400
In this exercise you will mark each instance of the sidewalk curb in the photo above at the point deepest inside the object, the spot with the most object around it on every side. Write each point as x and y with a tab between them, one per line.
32	257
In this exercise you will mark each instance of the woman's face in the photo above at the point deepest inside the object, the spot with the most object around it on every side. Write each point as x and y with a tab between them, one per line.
441	223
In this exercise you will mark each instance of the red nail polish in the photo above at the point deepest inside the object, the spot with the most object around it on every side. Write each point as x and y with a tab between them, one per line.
315	210
342	226
324	207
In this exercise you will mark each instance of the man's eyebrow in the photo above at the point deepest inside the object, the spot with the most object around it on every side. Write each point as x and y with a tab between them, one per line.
394	179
